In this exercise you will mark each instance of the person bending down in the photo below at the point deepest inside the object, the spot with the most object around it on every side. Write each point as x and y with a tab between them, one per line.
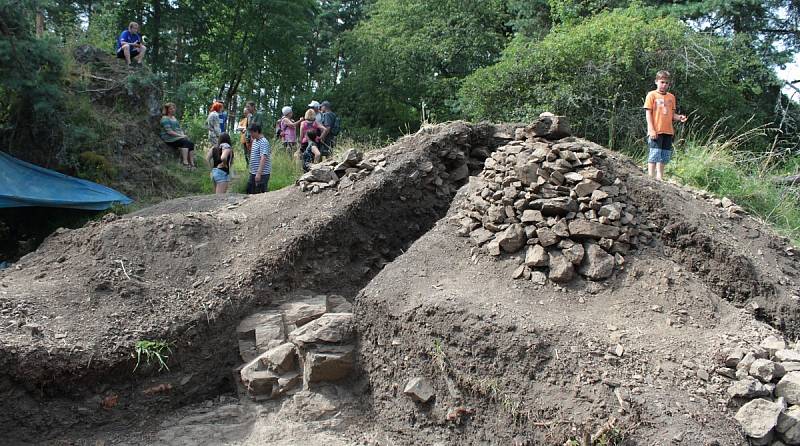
311	151
221	159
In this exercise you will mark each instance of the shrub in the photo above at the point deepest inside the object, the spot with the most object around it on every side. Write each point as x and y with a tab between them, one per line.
598	72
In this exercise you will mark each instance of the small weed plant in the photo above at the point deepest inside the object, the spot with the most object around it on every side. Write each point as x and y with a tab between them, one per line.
152	351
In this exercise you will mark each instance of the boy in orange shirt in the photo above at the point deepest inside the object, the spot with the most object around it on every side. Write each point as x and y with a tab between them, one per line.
659	109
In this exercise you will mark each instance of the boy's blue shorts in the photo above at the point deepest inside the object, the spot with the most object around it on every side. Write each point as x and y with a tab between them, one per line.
660	148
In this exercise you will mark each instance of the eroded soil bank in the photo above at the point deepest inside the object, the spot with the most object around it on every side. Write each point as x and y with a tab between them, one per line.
189	270
510	361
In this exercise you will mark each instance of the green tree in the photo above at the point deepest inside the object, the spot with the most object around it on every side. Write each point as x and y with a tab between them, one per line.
598	72
412	54
31	70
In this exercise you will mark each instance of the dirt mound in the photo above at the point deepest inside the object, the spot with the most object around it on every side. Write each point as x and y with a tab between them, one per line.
451	350
188	271
629	359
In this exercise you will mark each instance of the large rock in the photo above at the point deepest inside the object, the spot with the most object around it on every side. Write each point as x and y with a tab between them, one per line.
748	388
561	269
331	328
765	370
319	174
256	380
579	229
528	173
419	389
536	256
339	304
586	187
546	237
772	344
789	388
328	363
280	359
301	312
597	264
574	253
789	425
481	235
555	207
759	417
512	239
787	356
549	126
265	330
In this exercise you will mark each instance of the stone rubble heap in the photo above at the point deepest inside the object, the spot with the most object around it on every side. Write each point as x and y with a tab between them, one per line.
302	342
552	199
767	381
341	175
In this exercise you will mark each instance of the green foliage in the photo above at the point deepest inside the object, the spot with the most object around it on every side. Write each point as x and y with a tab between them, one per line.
153	351
95	167
31	70
598	72
716	163
412	52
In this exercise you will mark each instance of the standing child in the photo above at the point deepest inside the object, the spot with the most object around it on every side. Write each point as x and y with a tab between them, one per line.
660	109
260	161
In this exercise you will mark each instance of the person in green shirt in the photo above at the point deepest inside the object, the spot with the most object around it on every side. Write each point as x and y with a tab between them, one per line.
172	134
253	117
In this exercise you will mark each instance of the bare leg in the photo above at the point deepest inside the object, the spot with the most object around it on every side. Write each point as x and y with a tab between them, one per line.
659	171
185	156
126	50
139	58
316	153
221	188
651	169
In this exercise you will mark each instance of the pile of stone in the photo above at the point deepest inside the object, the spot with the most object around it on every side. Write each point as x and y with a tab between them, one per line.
340	174
306	342
552	199
767	383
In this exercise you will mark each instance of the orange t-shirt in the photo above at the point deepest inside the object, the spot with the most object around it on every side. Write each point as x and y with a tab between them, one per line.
662	107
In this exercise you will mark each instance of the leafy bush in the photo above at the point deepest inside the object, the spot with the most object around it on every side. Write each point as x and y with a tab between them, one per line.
95	167
598	72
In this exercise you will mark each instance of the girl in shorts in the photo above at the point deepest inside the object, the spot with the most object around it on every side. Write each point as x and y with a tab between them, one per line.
221	160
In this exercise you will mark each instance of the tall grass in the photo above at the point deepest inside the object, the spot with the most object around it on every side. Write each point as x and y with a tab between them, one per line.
725	166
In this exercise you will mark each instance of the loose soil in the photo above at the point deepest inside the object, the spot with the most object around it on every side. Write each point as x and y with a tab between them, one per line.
512	362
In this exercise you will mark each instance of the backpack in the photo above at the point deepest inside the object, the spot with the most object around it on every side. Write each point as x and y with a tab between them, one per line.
336	128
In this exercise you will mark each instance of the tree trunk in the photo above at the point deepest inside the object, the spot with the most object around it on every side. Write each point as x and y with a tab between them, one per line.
39	23
156	29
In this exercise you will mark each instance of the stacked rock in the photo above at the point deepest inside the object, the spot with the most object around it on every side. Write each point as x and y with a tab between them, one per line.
317	347
767	381
553	199
330	174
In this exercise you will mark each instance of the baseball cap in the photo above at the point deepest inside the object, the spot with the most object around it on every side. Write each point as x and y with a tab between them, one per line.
314	104
325	104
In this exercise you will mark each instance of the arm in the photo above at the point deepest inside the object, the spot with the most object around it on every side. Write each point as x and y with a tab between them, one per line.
681	118
261	162
651	129
324	133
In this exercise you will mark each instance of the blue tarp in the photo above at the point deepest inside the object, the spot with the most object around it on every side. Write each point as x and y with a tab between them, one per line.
23	184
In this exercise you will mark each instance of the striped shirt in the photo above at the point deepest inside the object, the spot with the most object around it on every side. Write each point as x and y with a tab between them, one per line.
260	147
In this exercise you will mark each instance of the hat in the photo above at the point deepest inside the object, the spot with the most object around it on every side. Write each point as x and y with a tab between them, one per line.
325	104
314	104
286	110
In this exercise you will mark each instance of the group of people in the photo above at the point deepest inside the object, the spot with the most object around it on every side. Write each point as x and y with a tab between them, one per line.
315	132
308	139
